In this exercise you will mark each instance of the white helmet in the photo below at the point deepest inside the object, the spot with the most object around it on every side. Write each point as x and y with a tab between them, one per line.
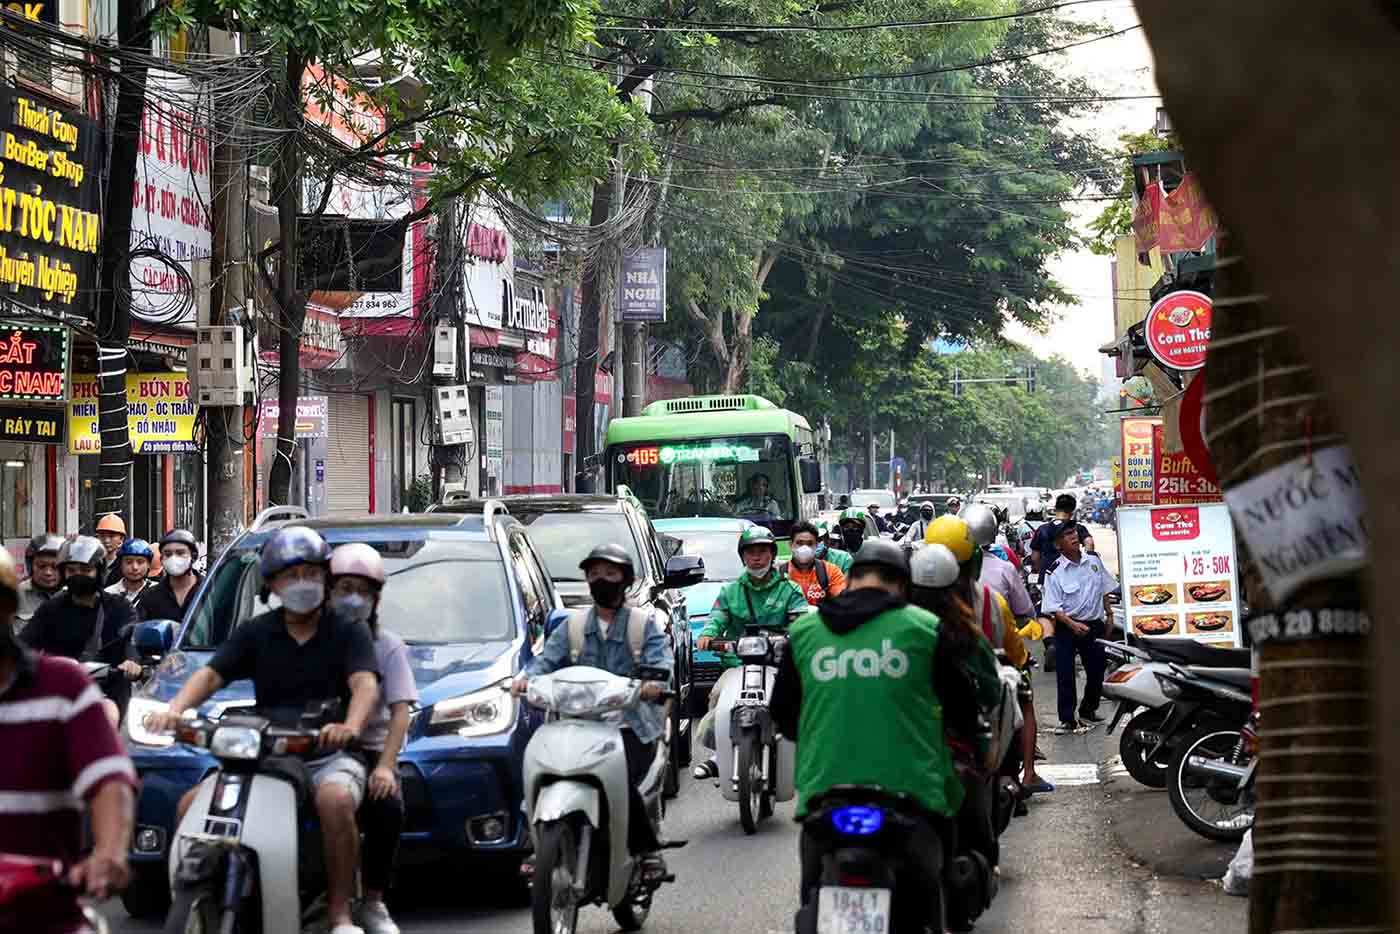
933	566
360	560
982	523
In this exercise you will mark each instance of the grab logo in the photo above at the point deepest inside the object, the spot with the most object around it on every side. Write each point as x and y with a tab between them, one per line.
827	665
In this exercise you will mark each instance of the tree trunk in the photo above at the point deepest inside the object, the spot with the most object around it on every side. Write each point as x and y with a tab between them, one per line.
291	304
589	322
114	306
1283	150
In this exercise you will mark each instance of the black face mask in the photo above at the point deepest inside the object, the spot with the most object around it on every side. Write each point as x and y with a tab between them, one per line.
607	593
80	585
852	539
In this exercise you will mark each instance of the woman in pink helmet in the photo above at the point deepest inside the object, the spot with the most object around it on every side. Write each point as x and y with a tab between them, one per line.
357	578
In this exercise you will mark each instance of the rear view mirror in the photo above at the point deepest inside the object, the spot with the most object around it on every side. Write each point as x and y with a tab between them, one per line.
811	475
684	570
153	639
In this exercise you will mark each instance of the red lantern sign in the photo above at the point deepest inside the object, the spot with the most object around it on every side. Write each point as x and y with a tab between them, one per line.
1178	330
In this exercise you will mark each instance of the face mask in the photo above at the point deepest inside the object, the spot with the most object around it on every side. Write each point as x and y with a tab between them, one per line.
761	573
804	554
607	593
176	565
80	585
821	550
302	596
852	540
353	606
927	516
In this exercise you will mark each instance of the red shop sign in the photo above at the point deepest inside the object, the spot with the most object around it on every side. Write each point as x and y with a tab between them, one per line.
1176	525
1178	330
1175	477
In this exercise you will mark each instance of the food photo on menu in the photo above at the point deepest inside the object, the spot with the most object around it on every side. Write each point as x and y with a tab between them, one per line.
1208	592
1161	624
1218	621
1154	594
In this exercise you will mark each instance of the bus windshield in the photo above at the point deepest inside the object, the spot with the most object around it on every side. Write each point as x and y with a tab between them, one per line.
749	477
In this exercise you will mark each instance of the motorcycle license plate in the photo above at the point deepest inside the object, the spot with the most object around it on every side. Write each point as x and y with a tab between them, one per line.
847	910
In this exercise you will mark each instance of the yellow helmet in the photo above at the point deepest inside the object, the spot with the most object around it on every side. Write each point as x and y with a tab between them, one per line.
952	533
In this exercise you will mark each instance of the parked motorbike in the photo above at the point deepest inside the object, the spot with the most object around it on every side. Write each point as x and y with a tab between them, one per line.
576	795
1211	779
1156	721
229	871
758	764
35	896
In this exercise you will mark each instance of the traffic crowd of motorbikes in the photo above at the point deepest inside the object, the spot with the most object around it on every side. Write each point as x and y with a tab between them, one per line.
879	677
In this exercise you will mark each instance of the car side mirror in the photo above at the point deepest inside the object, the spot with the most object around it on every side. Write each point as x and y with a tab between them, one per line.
684	570
153	639
811	475
555	619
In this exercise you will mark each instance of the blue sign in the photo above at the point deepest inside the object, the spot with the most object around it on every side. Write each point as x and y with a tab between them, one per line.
641	288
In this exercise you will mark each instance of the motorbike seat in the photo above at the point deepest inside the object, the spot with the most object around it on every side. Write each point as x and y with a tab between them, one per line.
1238	677
1186	651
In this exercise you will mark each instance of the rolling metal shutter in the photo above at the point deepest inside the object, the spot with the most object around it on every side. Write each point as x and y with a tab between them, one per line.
348	455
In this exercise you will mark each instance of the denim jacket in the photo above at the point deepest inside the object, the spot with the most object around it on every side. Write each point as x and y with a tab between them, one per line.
615	655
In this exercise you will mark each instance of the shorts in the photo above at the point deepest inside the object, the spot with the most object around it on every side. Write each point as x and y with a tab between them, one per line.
340	768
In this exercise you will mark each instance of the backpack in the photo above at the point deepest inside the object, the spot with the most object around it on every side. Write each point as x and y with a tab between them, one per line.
822	577
636	631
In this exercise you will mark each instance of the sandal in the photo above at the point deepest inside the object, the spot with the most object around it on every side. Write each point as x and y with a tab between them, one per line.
707	769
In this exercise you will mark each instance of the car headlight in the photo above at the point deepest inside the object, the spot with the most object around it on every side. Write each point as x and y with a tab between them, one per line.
480	713
236	742
136	713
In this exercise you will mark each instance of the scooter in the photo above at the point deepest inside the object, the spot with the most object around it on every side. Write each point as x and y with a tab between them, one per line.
576	796
758	763
228	870
35	896
1211	775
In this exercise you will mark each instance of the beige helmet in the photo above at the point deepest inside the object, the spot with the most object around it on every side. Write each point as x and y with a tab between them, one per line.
933	566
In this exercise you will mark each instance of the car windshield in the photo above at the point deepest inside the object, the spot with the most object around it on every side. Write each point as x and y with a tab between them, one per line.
435	592
563	539
719	549
749	477
882	498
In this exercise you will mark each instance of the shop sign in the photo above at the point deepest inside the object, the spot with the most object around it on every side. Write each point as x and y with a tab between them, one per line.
1117	472
487	243
493	359
160	414
1175	478
1179	572
312	415
1191	425
530	311
31	424
34	362
495	412
50	227
1137	460
641	292
570	423
35	11
171	202
1178	330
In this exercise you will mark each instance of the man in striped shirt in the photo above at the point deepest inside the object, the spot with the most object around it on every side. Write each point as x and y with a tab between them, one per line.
61	753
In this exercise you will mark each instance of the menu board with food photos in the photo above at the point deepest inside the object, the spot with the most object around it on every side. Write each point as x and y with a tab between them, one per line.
1178	568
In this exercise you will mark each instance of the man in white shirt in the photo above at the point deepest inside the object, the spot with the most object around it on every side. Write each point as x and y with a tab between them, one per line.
1076	599
758	502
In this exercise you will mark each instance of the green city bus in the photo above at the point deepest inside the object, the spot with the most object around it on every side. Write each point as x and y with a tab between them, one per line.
732	456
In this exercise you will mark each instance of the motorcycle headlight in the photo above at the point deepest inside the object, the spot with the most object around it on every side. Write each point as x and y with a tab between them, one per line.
235	742
480	713
136	713
750	646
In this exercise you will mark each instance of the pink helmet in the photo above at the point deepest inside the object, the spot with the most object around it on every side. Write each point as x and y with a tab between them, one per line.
360	560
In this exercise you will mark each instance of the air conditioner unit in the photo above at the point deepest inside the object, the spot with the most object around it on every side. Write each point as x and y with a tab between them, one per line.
453	408
445	350
221	367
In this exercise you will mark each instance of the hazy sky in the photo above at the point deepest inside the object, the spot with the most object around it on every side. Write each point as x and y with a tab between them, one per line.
1118	66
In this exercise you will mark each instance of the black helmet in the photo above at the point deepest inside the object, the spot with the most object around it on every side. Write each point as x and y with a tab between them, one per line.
181	537
884	553
612	554
83	550
45	543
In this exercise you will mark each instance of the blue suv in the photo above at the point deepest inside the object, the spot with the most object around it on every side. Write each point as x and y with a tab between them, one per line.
469	595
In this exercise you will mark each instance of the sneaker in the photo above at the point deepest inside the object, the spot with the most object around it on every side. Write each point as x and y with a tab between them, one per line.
707	769
1069	726
374	918
1037	788
349	929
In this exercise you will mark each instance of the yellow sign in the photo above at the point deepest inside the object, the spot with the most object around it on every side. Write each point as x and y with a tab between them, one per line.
160	414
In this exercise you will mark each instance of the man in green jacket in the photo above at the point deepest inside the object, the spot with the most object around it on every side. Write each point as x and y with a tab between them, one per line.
760	597
866	691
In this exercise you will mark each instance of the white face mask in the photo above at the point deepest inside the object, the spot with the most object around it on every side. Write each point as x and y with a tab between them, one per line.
302	596
353	606
761	573
804	554
176	565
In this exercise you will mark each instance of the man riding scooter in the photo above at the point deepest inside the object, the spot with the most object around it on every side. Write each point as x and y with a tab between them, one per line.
44	581
618	638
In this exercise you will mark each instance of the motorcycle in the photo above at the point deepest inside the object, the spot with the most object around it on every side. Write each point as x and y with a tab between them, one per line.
1211	775
229	871
33	889
862	834
1155	722
576	796
759	764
